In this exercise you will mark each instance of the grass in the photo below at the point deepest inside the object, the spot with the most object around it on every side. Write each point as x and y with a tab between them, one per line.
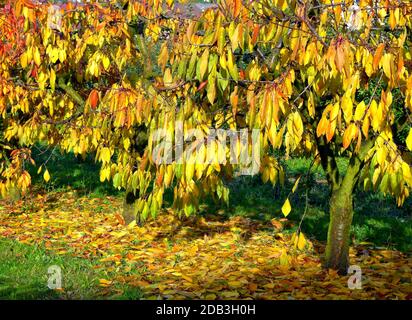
24	275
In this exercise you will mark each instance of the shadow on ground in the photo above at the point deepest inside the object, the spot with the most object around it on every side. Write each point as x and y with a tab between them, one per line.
377	219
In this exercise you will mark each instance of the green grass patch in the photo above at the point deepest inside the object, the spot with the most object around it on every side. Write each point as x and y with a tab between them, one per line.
24	275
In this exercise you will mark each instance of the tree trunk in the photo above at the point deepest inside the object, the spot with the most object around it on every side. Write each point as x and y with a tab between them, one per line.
129	208
341	214
341	202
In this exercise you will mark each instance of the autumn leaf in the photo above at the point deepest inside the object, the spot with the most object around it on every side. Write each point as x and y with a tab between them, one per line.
203	63
286	208
295	185
94	99
284	259
378	55
46	175
340	57
105	155
409	140
105	282
36	56
106	62
299	241
202	85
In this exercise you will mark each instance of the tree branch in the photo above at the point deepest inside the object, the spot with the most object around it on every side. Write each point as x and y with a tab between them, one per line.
329	164
356	163
71	92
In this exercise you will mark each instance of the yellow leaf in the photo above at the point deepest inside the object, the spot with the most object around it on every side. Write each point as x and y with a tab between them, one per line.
297	125
347	107
301	241
230	294
167	78
126	143
104	282
284	259
106	62
190	169
235	37
52	79
23	60
360	111
62	55
210	296
235	284
104	174
232	65
409	140
46	175
131	224
286	208
392	19
54	55
221	41
163	56
187	278
381	155
203	63
388	65
105	155
36	57
294	240
295	186
211	87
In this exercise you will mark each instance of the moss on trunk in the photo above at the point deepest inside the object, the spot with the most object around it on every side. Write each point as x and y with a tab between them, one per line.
341	204
341	214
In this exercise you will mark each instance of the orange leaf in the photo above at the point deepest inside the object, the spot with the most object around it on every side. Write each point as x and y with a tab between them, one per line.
322	126
94	99
340	58
378	55
255	33
104	282
120	219
202	85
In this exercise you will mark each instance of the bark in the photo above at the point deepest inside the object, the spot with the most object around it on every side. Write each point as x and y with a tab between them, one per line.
129	207
341	213
341	205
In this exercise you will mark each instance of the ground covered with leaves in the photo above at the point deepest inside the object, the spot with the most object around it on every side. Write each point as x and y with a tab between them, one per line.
209	257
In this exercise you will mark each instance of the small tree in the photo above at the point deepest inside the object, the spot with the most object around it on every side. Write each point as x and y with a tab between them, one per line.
317	79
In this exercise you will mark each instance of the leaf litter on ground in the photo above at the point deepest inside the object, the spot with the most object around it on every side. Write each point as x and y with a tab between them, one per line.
207	257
